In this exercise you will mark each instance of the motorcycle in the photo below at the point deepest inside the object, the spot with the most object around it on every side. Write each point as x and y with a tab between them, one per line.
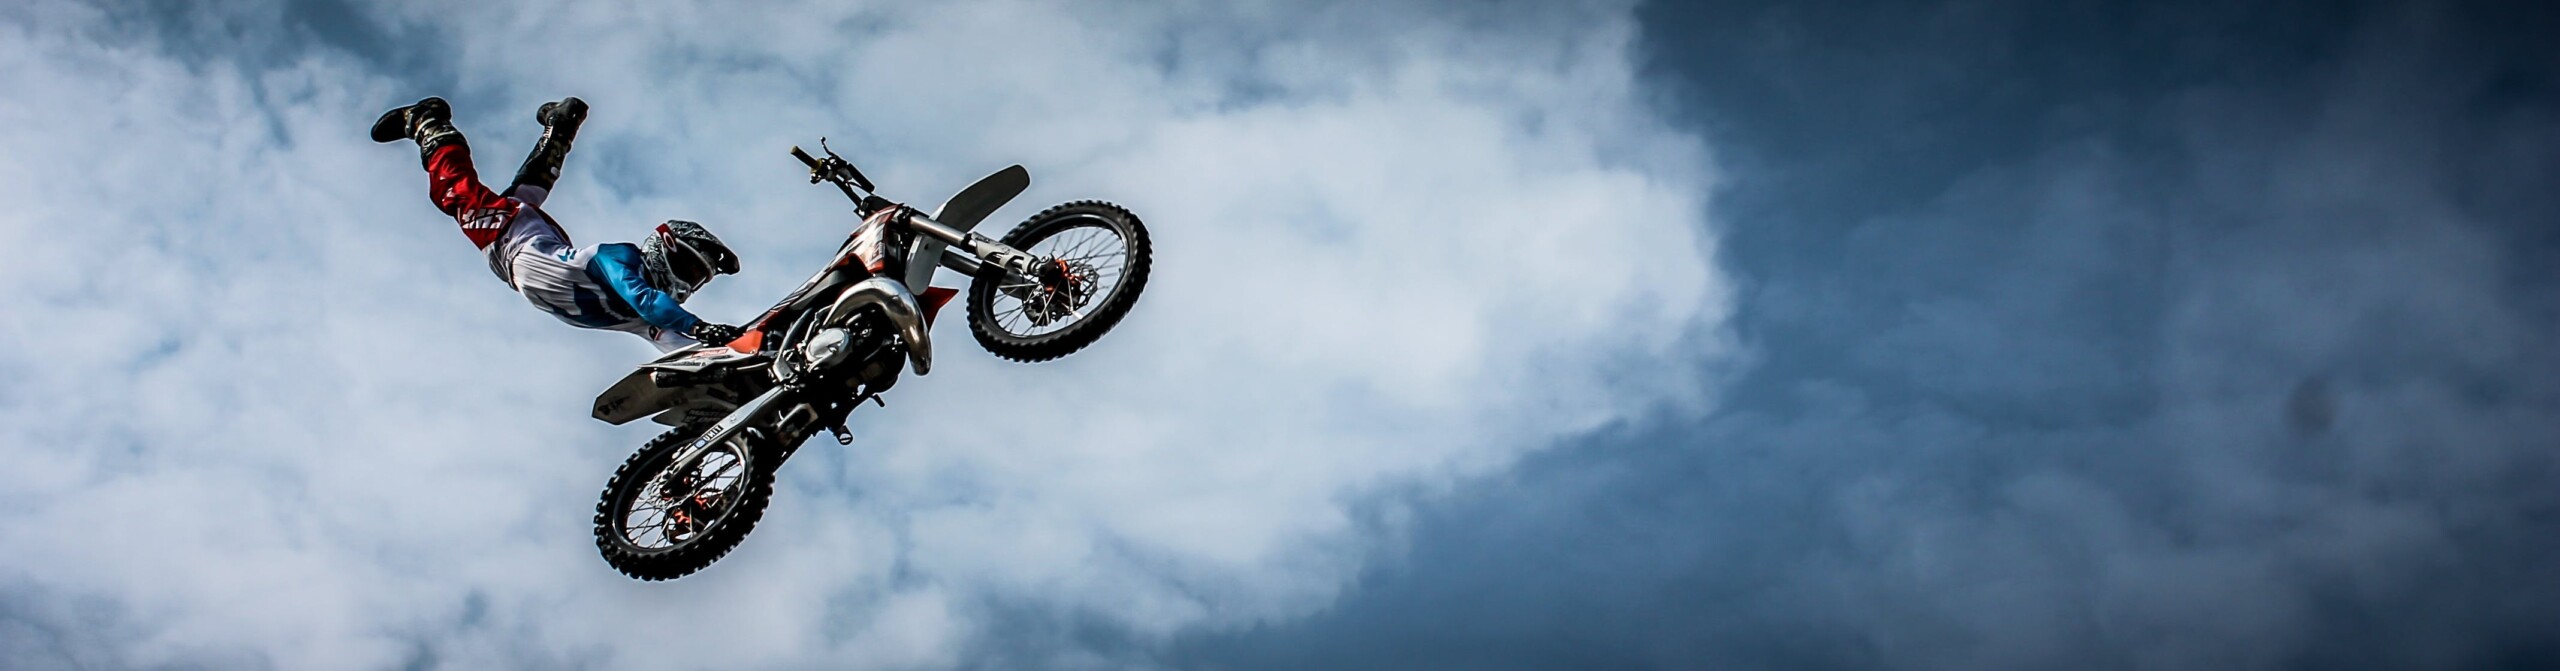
739	409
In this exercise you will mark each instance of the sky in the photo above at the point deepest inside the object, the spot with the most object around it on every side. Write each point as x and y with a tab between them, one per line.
1509	335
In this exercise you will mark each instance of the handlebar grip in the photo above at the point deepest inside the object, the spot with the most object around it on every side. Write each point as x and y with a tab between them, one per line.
804	157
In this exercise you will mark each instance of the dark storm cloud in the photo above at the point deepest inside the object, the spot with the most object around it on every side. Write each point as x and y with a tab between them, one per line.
253	36
2141	335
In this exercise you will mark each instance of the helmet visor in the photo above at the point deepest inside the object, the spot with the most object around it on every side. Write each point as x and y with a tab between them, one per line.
684	263
687	266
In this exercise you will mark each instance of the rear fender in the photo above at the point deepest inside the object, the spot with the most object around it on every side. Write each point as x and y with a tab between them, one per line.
639	395
695	407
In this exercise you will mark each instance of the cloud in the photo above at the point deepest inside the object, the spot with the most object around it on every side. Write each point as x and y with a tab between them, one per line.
265	410
2033	313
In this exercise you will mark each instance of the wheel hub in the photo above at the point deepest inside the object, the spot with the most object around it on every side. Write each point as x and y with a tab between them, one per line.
686	501
1064	288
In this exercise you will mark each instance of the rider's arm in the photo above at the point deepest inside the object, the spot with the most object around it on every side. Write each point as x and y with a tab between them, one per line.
618	267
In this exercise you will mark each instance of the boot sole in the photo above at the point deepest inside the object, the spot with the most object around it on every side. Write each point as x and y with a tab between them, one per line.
568	111
394	125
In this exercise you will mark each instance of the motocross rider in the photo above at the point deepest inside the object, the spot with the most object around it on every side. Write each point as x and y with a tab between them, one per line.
638	289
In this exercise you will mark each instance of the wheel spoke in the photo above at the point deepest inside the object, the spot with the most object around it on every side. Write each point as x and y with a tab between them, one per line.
638	534
657	523
1099	253
1061	244
1082	244
1091	237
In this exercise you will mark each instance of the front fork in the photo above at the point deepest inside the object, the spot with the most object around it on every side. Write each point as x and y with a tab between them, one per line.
720	432
983	251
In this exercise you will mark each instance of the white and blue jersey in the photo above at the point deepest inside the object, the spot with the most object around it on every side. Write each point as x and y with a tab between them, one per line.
596	286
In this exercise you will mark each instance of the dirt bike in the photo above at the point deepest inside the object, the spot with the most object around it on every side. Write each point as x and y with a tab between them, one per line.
1050	287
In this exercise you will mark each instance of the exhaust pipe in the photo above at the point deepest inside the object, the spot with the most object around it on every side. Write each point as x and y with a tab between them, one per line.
901	307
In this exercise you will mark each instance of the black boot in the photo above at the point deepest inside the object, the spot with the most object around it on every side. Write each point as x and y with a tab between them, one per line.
429	122
559	127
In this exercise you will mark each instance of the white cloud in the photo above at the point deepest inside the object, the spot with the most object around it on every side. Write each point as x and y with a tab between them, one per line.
266	405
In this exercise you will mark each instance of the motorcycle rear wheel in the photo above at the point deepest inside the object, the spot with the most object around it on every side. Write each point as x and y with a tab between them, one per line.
1096	257
653	535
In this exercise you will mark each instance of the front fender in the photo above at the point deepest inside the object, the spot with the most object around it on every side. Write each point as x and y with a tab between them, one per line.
961	213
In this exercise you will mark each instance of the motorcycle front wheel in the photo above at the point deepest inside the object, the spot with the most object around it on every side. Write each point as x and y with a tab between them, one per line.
1093	263
657	525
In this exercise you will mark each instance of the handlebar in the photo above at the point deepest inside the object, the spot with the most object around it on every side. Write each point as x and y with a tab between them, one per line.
982	253
835	170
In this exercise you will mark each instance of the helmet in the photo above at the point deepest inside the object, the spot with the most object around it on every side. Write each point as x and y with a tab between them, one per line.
682	256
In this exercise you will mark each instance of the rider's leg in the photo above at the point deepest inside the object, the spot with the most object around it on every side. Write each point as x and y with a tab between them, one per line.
451	182
456	189
542	168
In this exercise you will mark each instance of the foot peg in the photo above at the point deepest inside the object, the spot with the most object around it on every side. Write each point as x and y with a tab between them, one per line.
844	436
